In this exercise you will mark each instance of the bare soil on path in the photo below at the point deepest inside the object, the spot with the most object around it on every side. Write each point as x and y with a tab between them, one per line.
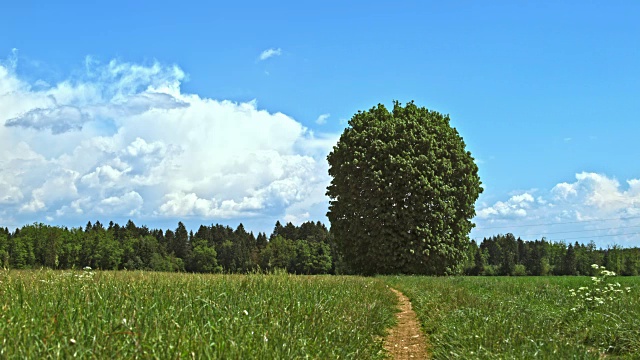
406	340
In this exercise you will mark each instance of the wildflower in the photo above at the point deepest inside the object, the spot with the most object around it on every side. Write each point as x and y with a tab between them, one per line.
72	341
595	266
245	312
607	273
87	268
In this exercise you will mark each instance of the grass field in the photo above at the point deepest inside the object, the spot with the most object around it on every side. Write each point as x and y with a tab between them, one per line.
524	317
158	315
86	314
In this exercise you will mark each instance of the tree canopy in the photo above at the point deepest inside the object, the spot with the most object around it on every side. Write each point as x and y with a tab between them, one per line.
403	192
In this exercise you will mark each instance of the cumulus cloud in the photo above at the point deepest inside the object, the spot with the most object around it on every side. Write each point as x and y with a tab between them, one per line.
322	119
123	139
517	205
594	205
270	53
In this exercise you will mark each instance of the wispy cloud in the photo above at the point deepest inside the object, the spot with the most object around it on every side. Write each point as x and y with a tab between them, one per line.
322	119
270	53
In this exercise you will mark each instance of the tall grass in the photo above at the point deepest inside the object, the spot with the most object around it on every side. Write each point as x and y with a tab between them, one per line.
522	318
166	316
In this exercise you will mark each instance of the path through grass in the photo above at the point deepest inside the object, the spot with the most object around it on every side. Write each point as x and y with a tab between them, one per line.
521	318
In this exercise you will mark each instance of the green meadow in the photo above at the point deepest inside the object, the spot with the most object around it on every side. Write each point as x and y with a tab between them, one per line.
153	315
86	314
526	317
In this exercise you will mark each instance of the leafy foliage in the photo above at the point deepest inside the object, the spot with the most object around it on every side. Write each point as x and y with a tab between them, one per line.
402	193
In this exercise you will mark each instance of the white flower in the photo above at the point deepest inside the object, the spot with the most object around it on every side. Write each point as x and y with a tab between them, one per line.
245	312
595	266
607	273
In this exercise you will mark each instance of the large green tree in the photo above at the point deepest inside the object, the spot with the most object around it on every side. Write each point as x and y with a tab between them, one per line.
403	192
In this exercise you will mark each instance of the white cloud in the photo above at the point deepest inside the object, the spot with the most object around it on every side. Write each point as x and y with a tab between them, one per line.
124	139
594	206
270	53
322	119
297	219
515	206
563	190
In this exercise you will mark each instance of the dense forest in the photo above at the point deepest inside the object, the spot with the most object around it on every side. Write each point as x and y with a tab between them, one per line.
304	249
506	255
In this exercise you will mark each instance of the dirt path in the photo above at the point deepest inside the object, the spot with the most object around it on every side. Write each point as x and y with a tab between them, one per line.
406	340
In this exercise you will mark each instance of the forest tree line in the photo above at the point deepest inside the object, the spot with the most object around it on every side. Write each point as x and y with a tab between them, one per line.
304	249
506	255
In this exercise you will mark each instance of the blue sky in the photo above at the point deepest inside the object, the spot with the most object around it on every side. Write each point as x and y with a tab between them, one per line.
96	100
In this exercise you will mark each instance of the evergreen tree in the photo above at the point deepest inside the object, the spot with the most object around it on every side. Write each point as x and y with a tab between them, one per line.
570	263
181	242
478	259
278	230
261	241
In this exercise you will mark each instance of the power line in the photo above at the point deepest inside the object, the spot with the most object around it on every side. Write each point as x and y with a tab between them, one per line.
579	231
592	237
557	223
579	237
536	235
